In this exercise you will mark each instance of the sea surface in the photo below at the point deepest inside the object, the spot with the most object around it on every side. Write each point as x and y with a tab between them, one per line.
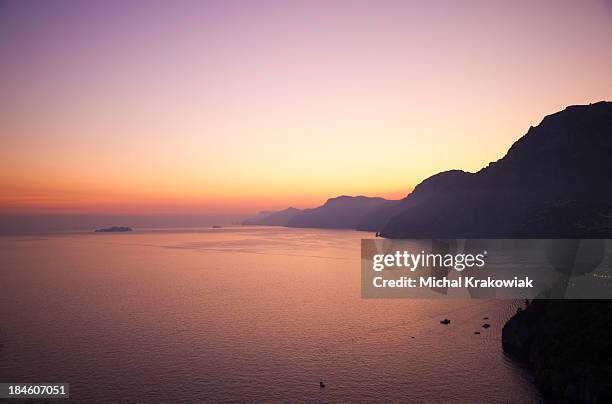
237	314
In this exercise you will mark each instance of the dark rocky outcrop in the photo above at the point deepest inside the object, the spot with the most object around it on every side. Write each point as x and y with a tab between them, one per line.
568	343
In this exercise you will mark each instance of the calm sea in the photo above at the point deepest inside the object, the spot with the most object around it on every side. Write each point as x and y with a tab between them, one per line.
235	315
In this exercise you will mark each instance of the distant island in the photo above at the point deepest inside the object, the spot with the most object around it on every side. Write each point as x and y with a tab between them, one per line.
113	229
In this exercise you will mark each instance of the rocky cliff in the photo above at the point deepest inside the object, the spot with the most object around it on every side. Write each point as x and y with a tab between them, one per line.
568	343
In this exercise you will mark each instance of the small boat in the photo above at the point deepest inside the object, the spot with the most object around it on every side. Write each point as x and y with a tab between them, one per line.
446	321
321	383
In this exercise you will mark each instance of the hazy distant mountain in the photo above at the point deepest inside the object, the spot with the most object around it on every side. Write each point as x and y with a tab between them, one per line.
343	212
553	182
257	218
266	218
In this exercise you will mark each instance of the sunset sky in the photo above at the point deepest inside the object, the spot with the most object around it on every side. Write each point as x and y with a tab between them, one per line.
229	106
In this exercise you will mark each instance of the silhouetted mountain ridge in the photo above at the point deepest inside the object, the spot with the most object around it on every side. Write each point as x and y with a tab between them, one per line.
552	182
343	212
564	159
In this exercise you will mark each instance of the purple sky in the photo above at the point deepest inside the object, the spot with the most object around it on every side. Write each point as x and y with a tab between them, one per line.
232	106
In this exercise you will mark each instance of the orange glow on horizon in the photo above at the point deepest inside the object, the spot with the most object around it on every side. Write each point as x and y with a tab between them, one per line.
178	111
79	200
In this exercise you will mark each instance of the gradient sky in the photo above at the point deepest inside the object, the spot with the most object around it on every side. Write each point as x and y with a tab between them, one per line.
233	106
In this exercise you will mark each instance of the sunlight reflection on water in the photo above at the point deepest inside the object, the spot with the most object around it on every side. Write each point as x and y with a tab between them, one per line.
237	314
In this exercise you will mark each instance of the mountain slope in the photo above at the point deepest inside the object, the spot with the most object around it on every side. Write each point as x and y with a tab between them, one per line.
343	212
553	182
567	343
279	218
